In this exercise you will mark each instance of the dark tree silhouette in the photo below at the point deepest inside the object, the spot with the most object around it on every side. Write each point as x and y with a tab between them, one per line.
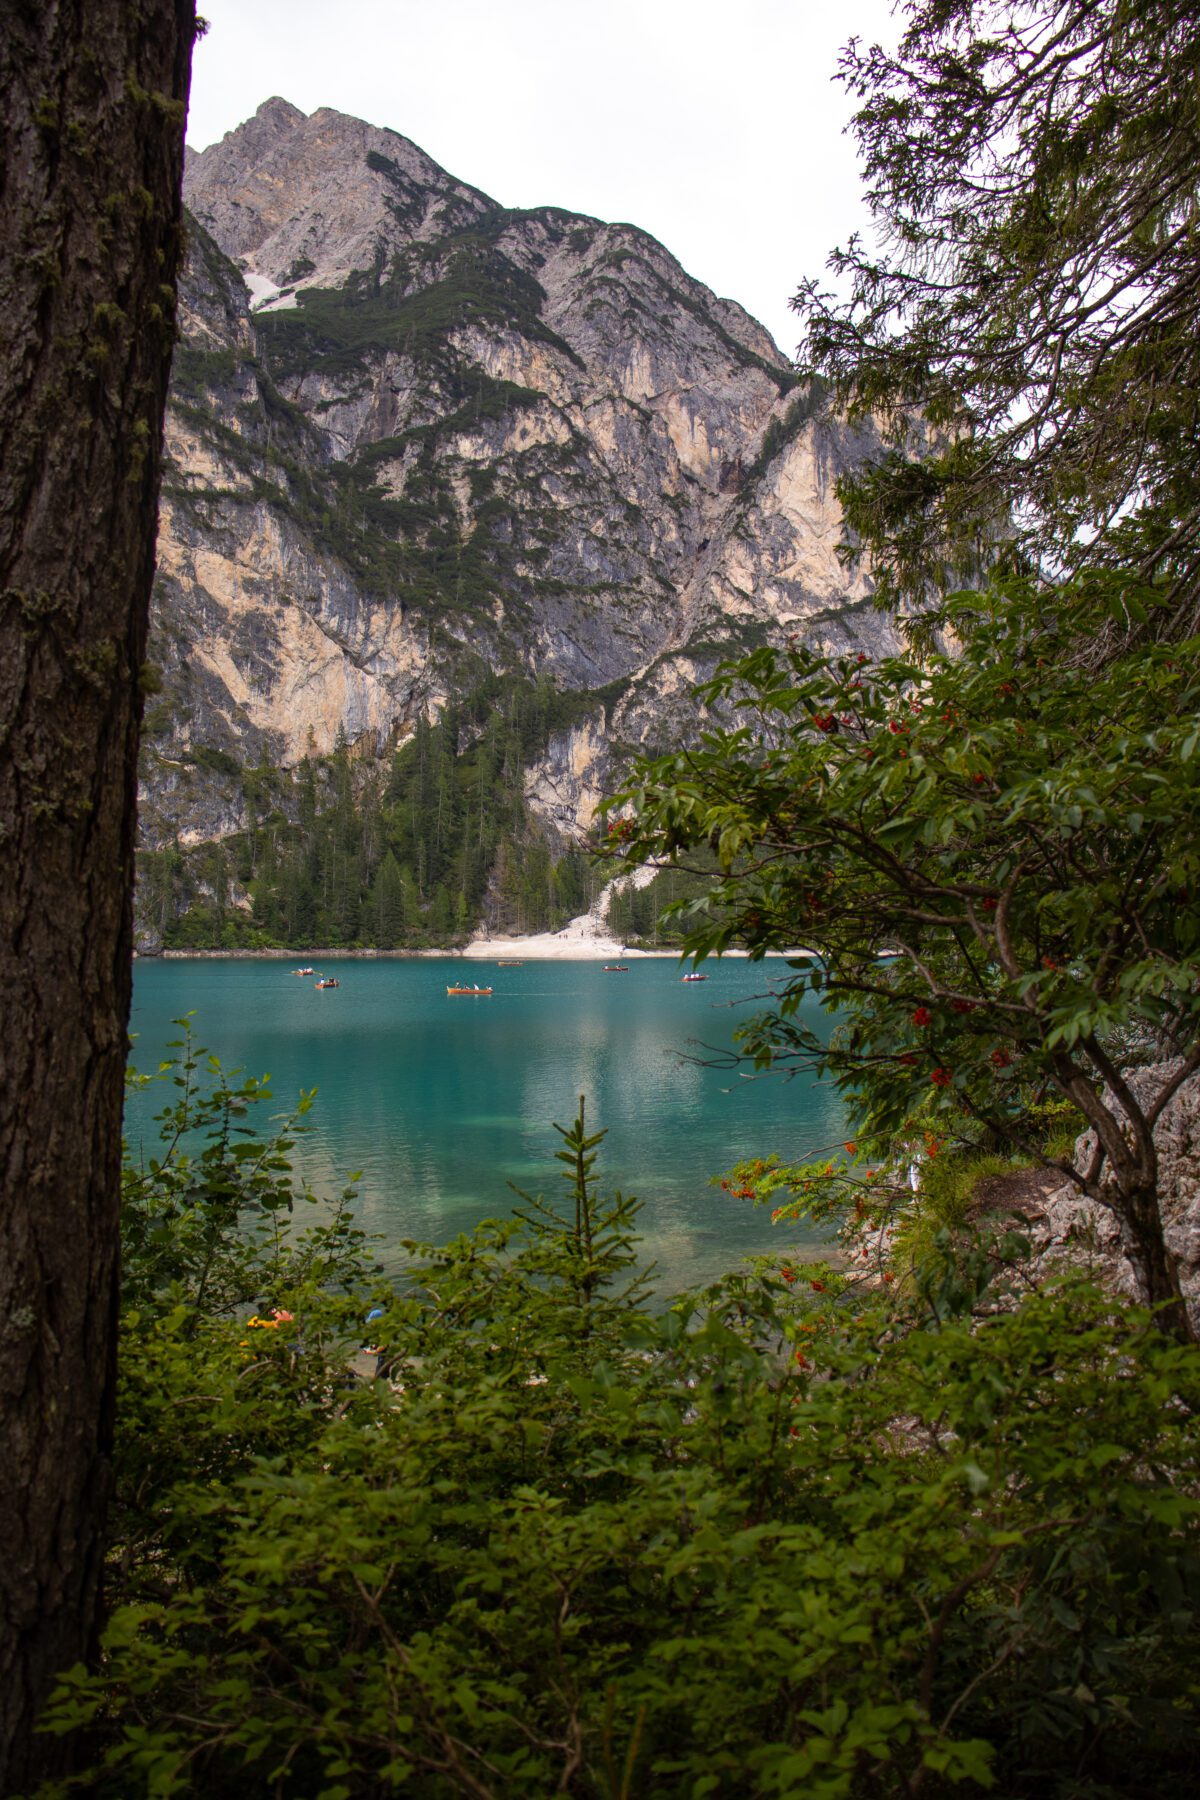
1032	168
93	95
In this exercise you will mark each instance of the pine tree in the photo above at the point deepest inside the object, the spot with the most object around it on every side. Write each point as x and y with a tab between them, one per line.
387	908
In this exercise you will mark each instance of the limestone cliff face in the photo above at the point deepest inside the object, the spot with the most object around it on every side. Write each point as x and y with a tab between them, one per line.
415	436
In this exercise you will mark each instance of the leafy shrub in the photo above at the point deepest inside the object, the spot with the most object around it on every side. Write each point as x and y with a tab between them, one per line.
755	1544
208	1223
947	1201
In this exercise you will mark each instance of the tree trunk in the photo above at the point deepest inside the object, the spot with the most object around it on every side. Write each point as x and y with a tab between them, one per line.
1139	1212
93	96
1121	1130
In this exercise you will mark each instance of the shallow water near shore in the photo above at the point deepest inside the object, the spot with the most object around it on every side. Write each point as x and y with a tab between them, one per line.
440	1101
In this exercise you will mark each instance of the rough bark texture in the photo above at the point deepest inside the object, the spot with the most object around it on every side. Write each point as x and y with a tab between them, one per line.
1119	1161
1154	1255
93	96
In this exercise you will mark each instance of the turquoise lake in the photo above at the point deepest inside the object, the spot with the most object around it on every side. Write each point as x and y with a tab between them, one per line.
440	1102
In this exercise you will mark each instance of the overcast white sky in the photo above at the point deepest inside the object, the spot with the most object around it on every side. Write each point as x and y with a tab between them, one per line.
717	127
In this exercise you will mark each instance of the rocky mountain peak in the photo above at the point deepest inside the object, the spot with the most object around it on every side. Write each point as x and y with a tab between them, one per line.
427	453
305	200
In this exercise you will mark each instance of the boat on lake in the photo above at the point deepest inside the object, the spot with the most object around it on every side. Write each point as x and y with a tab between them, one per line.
327	981
301	971
514	963
694	976
615	969
479	991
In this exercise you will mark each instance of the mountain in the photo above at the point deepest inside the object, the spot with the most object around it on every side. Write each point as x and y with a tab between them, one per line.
459	503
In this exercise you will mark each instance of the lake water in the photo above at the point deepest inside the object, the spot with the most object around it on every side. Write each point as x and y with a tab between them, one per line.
440	1102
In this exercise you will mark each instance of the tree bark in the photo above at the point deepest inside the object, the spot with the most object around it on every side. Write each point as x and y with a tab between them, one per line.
93	95
1125	1136
1139	1210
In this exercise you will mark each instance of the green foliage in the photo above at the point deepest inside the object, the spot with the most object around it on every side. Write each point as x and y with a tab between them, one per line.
930	1240
1032	173
158	720
336	854
782	431
194	372
409	546
211	756
406	547
761	1543
209	1220
645	915
949	1184
991	855
413	309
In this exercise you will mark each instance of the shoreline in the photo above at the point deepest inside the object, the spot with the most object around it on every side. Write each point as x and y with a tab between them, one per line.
544	948
534	949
